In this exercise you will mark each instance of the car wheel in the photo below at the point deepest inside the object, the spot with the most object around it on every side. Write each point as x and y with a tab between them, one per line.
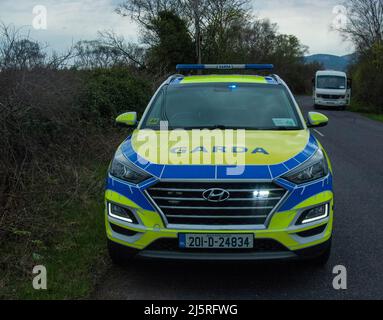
322	259
119	254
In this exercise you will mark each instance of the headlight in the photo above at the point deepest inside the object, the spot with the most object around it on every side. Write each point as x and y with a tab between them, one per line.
123	169
314	169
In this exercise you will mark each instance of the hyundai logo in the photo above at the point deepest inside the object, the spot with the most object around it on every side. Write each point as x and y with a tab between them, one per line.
216	195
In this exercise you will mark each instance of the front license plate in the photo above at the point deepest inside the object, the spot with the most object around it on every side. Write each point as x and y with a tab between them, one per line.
216	241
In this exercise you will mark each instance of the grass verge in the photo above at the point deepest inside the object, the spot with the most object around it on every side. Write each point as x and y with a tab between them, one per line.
74	253
367	111
374	116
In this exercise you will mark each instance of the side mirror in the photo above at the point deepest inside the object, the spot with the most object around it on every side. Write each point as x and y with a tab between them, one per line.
316	120
127	119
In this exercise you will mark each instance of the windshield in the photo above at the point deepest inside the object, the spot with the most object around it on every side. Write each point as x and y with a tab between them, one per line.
223	106
331	82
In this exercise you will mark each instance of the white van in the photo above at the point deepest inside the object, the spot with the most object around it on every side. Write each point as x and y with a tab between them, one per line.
332	89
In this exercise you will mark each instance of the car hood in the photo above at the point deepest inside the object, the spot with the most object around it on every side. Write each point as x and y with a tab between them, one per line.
179	155
253	148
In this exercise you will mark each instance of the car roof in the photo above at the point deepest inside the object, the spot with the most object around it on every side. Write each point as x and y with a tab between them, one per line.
224	79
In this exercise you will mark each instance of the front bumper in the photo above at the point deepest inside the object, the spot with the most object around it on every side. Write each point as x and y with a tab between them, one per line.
262	255
291	239
331	102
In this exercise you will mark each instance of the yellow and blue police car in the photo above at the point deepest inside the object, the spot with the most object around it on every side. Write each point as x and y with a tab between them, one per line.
221	167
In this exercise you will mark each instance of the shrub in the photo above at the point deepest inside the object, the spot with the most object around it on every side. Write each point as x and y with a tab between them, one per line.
368	79
52	158
109	92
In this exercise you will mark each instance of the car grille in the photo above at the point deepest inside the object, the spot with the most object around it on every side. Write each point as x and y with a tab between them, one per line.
183	203
331	96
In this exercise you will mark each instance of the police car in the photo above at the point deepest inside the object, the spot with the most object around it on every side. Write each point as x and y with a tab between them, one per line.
220	167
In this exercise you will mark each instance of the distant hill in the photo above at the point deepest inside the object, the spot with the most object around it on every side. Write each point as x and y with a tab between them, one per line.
331	62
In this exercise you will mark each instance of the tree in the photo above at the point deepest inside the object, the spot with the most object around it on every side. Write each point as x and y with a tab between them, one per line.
364	26
255	41
224	22
108	50
93	54
144	12
174	44
17	51
131	52
221	31
289	54
202	17
368	79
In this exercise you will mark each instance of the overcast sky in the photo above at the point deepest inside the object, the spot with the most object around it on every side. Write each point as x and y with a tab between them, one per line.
72	20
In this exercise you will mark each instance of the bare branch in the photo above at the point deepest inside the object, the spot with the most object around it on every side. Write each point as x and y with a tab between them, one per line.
365	23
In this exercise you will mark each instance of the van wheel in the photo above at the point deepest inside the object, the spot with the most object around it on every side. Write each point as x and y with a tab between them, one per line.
119	254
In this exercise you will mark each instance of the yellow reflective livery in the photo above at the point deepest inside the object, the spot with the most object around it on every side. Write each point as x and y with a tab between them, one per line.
220	167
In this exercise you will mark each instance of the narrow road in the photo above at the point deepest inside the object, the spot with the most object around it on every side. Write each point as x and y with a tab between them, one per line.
355	146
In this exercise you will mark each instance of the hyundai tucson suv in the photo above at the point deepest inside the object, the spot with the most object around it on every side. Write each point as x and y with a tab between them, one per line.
220	167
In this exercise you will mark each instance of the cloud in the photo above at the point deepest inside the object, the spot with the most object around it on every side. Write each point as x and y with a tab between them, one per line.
309	20
68	20
73	20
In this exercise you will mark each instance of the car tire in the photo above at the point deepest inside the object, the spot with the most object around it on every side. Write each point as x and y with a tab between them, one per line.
119	254
322	259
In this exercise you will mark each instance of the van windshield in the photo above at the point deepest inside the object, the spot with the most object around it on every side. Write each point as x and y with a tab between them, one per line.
331	82
223	106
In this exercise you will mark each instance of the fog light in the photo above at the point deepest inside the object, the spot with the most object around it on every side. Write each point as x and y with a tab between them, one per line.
121	213
314	214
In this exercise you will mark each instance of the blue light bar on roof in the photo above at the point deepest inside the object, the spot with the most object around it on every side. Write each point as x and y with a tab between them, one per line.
225	67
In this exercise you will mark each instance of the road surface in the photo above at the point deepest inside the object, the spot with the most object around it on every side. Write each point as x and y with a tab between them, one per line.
355	146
